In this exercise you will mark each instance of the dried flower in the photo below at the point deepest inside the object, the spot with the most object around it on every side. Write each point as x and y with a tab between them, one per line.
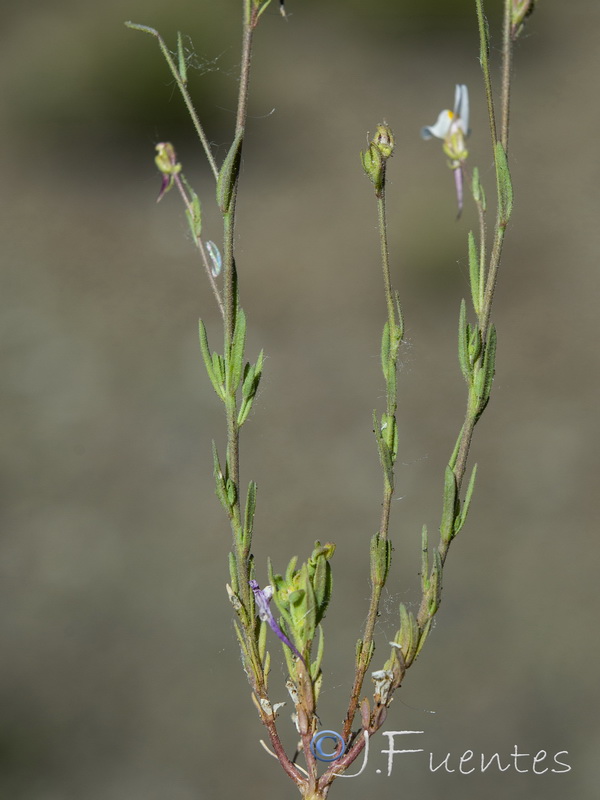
166	161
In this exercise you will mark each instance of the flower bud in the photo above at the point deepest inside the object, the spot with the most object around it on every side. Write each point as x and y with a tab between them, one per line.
521	9
384	140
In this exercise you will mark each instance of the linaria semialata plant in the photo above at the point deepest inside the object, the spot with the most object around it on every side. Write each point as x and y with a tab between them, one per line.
293	604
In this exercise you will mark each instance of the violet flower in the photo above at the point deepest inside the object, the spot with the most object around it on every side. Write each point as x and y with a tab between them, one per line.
262	598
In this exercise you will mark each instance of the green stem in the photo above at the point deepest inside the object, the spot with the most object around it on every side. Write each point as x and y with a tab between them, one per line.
385	264
459	463
200	245
388	488
230	301
184	92
506	74
485	67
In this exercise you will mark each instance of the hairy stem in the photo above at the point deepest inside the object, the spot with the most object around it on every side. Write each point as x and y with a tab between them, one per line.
184	92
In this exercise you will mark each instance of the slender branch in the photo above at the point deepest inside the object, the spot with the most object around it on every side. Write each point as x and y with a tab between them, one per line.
394	335
485	66
200	245
183	89
506	73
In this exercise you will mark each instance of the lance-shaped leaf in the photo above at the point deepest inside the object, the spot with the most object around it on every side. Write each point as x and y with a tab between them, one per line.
209	362
233	573
462	517
228	174
220	480
463	343
505	190
321	578
385	455
474	273
381	557
250	383
450	505
181	64
407	637
475	344
249	515
399	320
478	190
424	559
194	217
424	635
385	348
485	377
316	664
303	608
435	589
236	352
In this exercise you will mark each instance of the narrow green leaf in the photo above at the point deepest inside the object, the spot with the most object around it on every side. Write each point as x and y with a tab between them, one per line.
228	174
250	384
424	559
262	640
322	582
489	360
505	190
208	361
449	505
474	344
181	59
463	343
400	319
233	574
358	650
244	412
194	217
236	354
248	380
246	660
316	664
423	636
408	635
385	349
231	492
381	557
476	185
291	568
462	517
474	273
486	374
220	480
435	592
249	514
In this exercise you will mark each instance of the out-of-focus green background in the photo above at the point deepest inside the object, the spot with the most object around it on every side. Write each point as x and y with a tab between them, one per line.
119	675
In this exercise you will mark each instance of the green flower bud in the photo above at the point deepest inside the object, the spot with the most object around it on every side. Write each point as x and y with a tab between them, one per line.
384	140
521	9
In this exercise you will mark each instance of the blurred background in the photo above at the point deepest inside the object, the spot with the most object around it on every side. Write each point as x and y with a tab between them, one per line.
120	676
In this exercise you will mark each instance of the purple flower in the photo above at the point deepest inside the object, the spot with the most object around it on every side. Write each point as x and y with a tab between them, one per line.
262	598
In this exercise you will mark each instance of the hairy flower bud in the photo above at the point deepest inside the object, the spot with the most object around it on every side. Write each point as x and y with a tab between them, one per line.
521	9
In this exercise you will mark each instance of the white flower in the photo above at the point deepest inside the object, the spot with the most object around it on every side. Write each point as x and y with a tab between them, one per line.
452	127
449	123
